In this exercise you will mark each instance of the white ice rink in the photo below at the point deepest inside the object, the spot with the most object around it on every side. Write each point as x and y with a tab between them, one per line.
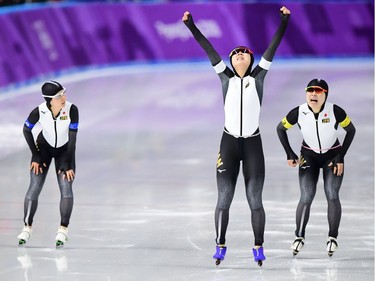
145	190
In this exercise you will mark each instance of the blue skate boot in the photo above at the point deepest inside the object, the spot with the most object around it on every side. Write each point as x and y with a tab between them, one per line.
258	255
221	250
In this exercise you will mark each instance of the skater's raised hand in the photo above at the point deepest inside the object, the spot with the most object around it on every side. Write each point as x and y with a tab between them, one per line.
284	10
186	16
188	19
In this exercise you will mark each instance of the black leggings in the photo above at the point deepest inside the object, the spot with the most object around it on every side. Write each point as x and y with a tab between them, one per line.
232	152
308	177
36	186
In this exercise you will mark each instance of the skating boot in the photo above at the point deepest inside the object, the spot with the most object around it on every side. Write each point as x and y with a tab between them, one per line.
258	255
221	250
331	246
61	236
24	235
297	245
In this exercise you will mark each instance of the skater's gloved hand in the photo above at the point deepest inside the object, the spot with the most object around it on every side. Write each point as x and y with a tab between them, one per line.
188	19
337	165
293	159
284	10
66	172
69	175
37	164
37	167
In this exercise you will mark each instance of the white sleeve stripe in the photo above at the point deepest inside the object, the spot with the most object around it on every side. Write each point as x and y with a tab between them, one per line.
265	64
220	67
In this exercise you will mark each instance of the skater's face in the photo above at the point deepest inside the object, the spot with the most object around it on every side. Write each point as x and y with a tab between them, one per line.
58	101
241	59
315	97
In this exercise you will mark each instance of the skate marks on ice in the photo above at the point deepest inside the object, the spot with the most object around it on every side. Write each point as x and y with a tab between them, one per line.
145	190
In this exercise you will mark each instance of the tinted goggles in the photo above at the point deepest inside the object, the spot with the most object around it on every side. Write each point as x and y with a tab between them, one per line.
315	89
238	50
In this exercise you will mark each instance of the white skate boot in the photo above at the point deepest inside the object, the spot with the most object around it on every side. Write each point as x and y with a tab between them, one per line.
61	236
297	245
331	245
24	235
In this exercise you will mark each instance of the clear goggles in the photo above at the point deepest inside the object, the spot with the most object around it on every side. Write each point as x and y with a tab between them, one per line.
58	95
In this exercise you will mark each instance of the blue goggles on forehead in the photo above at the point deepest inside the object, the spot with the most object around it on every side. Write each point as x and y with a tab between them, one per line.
241	49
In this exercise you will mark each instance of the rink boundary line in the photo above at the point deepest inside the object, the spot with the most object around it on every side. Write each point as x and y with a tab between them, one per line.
193	244
92	72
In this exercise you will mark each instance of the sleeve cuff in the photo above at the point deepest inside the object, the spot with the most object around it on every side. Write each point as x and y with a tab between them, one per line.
220	67
265	64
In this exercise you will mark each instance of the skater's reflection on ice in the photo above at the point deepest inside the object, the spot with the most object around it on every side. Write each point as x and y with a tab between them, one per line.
332	271
300	267
25	261
61	261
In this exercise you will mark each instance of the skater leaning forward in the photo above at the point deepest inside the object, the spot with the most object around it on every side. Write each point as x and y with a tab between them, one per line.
318	121
58	120
241	140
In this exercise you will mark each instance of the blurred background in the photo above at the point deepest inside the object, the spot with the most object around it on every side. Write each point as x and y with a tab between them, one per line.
40	38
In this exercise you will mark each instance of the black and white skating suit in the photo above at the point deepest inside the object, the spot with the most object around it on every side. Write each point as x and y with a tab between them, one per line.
320	147
57	140
241	139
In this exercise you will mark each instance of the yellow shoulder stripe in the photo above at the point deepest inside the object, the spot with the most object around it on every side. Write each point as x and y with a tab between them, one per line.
346	122
286	124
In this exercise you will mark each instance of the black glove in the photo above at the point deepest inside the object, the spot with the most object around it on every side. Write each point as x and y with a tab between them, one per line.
292	156
189	22
335	160
63	167
38	158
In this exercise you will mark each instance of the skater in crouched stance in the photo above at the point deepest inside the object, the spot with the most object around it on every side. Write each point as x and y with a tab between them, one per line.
58	120
242	92
318	121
